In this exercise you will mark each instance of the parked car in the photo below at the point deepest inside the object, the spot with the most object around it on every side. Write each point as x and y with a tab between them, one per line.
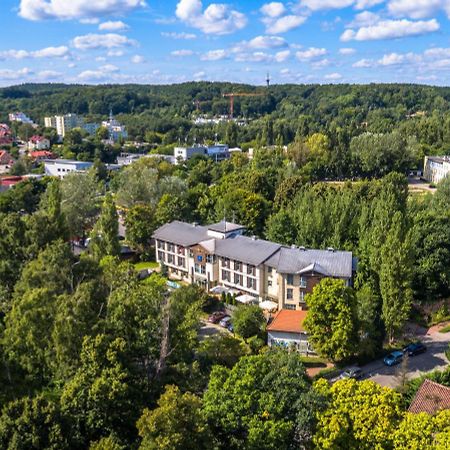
217	316
230	327
352	372
393	358
225	322
415	348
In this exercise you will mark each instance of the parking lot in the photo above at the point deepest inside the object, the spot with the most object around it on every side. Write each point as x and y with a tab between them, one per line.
433	359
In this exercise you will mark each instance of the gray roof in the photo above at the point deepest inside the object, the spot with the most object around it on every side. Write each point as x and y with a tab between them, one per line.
327	262
246	249
182	233
224	227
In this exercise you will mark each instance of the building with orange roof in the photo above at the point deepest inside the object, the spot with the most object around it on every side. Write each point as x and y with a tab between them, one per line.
431	398
286	330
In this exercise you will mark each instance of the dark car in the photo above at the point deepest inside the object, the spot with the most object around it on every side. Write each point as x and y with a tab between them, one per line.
415	348
393	358
216	317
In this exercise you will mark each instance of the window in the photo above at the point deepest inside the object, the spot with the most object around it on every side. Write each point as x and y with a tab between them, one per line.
199	258
170	259
171	248
161	244
238	266
269	283
191	254
210	259
287	306
290	279
181	251
269	270
225	275
181	262
251	283
199	269
238	279
226	263
289	294
302	282
302	297
161	256
251	270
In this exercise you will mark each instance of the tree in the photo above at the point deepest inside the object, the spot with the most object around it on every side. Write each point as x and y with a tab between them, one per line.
248	321
332	319
170	208
359	415
105	234
395	279
263	402
177	423
140	225
33	423
79	202
100	399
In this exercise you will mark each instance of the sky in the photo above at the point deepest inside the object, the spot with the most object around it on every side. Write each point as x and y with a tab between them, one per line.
165	41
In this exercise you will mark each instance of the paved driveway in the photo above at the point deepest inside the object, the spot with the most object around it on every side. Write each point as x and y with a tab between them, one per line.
433	359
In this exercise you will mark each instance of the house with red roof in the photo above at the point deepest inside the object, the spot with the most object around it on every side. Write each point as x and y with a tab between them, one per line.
286	330
5	135
41	155
6	161
431	398
38	143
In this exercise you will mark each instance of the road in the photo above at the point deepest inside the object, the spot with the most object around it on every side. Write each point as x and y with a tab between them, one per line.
433	359
210	329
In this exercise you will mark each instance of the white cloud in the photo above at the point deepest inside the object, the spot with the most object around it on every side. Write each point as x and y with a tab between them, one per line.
76	9
366	18
254	57
363	63
115	53
49	75
100	59
182	53
347	51
392	59
8	74
217	18
199	76
363	4
265	42
48	52
320	63
111	25
173	35
95	41
214	55
390	29
310	53
283	24
109	68
418	9
282	56
316	5
137	59
333	76
273	9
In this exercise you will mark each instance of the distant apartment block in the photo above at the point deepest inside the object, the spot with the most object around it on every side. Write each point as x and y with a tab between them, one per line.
436	168
220	255
218	152
20	117
68	122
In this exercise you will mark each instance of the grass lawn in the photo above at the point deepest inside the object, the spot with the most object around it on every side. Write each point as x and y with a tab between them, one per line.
146	265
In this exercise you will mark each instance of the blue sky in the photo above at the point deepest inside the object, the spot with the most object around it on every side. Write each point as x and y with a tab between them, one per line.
164	41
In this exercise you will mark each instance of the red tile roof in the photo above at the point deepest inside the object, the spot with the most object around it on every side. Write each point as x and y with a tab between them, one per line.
430	398
42	154
288	321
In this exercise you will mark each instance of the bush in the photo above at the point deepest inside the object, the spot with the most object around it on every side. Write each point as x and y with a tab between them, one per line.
249	321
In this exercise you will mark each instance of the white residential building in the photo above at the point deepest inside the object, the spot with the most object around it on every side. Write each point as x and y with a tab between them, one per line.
218	152
61	167
220	255
436	168
116	130
64	124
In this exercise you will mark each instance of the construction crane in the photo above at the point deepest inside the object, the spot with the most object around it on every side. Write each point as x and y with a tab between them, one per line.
198	103
232	95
